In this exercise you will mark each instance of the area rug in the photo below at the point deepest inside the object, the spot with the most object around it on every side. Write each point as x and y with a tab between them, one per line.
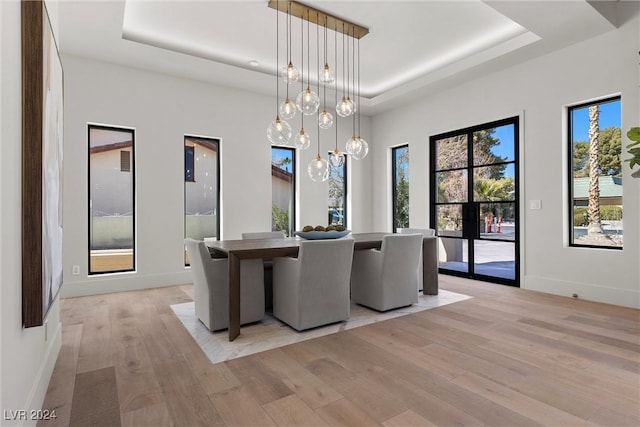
271	333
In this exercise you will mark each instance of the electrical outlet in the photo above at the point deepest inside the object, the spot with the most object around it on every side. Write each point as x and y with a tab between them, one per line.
75	270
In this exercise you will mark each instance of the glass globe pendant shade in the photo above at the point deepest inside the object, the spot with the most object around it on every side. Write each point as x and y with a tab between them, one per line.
279	132
287	109
360	149
318	169
352	144
290	74
336	158
325	119
326	76
302	140
308	102
344	108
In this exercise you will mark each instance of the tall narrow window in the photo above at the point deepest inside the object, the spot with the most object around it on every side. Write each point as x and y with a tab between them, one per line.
400	186
111	200
337	194
201	188
283	169
595	174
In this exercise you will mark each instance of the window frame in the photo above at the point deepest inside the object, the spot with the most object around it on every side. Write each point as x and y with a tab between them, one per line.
217	142
294	183
344	191
570	179
132	170
394	198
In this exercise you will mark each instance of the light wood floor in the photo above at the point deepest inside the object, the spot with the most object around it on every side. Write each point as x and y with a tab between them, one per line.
507	357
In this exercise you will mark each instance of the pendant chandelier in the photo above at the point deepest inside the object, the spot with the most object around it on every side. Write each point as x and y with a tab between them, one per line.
314	106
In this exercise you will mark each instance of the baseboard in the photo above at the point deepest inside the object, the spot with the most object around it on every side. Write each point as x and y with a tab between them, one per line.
121	282
586	291
40	386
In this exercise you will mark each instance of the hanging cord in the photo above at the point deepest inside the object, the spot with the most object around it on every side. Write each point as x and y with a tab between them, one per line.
288	45
277	58
335	92
324	86
353	72
359	94
302	67
308	54
318	53
348	69
317	68
343	74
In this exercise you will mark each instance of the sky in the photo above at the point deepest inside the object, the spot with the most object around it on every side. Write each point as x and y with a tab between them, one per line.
281	153
506	146
609	116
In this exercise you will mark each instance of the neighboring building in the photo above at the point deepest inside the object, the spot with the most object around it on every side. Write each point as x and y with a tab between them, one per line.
281	180
610	191
201	187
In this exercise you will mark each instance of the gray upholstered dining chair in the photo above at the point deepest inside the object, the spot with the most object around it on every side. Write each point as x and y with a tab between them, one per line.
267	263
427	272
313	289
387	278
211	287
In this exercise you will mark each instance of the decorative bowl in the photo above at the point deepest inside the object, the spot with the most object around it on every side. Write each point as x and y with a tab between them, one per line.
319	235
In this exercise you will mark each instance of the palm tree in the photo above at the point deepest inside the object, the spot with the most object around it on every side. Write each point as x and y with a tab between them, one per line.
595	225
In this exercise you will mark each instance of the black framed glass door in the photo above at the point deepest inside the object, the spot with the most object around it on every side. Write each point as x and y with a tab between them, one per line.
474	201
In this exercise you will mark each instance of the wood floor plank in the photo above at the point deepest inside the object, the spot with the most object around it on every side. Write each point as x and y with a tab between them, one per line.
95	348
293	412
95	399
238	407
575	332
264	384
190	406
148	416
309	388
533	409
408	419
579	380
60	390
212	378
343	412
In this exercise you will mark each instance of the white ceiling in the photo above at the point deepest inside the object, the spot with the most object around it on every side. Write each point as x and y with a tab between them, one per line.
413	47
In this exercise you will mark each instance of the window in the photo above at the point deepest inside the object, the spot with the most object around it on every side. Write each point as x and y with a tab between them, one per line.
189	159
337	194
111	200
283	189
125	161
201	188
400	186
595	179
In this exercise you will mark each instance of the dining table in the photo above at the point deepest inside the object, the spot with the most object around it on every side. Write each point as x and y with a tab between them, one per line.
237	250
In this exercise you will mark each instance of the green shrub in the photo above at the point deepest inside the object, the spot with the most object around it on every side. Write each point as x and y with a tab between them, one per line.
279	219
580	217
607	213
611	213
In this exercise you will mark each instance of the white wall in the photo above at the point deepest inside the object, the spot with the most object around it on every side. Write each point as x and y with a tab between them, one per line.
27	356
538	91
162	109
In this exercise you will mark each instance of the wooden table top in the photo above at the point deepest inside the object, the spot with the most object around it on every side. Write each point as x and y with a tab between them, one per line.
267	248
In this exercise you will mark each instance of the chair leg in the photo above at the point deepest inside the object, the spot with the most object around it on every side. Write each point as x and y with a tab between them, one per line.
268	286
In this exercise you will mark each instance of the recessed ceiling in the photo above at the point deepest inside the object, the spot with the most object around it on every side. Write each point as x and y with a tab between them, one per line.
411	45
